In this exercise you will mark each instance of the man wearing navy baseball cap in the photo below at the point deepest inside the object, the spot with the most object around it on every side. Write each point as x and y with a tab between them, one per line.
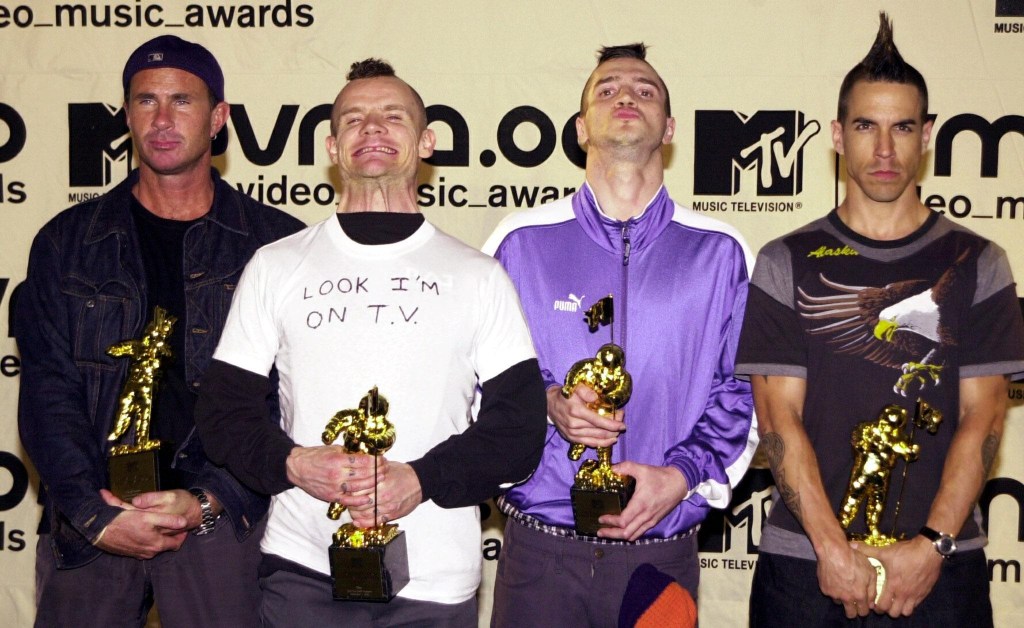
172	235
168	51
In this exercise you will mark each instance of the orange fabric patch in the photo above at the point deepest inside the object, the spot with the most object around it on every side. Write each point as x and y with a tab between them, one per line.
673	608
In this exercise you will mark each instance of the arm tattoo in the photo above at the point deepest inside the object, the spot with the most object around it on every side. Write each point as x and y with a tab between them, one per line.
775	450
988	453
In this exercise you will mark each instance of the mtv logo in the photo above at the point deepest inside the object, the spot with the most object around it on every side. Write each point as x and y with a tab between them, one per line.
737	528
99	149
1009	8
768	143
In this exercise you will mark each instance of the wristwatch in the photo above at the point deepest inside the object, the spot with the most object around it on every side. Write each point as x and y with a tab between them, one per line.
944	544
208	520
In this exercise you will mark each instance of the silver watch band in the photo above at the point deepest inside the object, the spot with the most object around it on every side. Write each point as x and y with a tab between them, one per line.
208	520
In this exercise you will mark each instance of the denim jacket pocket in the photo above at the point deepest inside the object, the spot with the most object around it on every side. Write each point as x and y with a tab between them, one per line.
100	316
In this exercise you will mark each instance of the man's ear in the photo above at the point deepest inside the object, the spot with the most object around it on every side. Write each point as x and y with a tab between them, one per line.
426	145
837	136
332	149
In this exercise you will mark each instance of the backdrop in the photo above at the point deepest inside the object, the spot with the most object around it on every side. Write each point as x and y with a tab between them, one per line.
753	84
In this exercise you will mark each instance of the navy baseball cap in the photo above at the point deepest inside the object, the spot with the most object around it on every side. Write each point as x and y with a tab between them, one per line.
168	51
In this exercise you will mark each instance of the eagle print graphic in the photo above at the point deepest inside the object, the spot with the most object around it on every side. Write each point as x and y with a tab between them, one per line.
900	326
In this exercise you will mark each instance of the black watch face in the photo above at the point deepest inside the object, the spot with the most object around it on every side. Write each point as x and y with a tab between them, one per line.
946	545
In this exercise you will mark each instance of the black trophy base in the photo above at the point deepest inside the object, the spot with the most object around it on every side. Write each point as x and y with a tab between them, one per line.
370	574
142	471
589	504
134	473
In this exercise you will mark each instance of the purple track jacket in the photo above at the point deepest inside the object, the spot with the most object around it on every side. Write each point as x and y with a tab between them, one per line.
679	281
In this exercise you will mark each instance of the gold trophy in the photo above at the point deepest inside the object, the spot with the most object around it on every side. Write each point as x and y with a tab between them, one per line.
135	468
877	445
367	564
598	490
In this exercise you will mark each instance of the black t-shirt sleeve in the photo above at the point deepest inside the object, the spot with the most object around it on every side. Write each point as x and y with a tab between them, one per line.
503	445
772	341
993	340
236	429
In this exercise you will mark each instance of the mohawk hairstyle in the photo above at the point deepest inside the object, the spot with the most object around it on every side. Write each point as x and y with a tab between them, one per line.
369	68
376	68
883	64
636	51
628	51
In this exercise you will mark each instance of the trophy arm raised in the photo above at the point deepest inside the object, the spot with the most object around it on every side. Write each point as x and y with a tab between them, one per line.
121	349
908	451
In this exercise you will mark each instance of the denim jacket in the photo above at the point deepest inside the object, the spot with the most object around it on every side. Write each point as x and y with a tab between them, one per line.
85	290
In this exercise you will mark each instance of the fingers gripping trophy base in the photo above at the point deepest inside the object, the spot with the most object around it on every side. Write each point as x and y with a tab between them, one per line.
589	504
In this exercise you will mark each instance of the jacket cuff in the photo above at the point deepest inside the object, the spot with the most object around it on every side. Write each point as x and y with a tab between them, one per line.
430	476
549	379
690	473
93	518
277	465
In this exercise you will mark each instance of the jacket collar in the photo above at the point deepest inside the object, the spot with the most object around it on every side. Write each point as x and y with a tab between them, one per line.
113	214
608	233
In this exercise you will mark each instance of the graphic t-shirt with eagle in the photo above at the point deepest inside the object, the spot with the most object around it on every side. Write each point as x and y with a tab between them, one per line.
869	323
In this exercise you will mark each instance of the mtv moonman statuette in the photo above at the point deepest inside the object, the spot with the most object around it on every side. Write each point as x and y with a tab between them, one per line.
598	490
135	468
367	564
876	447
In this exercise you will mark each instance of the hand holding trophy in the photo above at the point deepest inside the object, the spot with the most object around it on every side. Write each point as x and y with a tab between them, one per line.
597	489
367	564
877	446
135	468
